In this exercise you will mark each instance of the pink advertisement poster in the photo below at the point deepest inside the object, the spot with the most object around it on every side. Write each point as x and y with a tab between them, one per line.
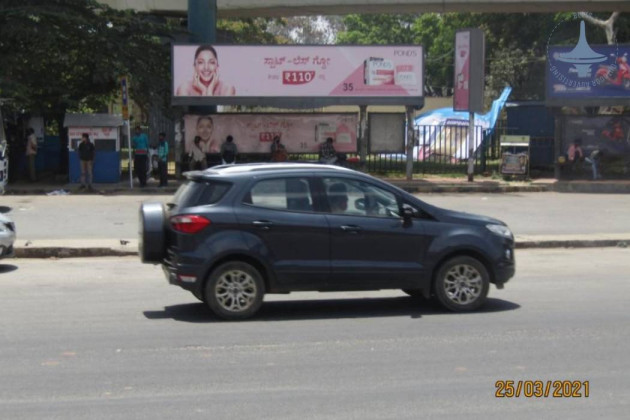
461	92
254	133
297	71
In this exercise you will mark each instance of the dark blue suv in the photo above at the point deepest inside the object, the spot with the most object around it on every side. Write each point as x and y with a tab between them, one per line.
233	233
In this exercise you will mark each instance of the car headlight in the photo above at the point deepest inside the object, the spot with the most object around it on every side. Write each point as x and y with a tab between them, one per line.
501	230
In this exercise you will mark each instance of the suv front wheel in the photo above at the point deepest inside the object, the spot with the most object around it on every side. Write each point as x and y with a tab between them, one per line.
462	284
234	290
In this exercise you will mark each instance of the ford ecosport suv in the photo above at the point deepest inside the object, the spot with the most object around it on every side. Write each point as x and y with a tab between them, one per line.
233	233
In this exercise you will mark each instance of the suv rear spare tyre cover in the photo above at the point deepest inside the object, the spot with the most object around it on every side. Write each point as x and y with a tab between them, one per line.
151	243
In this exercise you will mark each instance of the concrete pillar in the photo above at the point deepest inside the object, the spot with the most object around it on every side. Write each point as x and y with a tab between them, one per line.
411	142
202	21
363	136
202	26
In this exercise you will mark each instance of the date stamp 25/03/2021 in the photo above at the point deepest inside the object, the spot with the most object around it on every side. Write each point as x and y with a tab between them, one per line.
541	389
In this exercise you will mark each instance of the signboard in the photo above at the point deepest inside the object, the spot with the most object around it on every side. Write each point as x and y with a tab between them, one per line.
469	70
603	81
287	75
124	86
514	141
104	138
254	133
514	163
610	134
386	132
515	155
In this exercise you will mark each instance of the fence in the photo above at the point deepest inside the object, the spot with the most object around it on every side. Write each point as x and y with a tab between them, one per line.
437	150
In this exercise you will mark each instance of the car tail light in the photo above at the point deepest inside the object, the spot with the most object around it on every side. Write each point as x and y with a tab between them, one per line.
189	223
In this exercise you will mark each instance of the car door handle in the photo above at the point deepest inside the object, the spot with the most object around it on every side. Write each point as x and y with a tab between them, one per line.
262	224
350	228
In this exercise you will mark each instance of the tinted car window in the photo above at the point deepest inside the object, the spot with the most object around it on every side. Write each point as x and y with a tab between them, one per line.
282	194
196	193
346	196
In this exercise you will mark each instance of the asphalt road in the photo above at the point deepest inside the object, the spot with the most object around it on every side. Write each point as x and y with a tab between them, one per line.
116	216
107	338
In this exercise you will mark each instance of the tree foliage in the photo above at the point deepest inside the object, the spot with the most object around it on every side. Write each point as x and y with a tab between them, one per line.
306	29
515	44
69	54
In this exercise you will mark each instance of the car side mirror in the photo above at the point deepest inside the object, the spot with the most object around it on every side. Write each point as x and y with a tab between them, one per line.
407	216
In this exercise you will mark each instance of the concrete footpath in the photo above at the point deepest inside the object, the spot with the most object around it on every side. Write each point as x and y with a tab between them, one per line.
58	221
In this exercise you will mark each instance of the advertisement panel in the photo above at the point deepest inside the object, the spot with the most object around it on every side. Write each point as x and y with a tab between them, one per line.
386	132
254	133
469	70
461	89
514	163
610	134
239	74
104	138
602	79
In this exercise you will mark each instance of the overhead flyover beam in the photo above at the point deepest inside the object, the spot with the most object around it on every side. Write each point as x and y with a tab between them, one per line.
277	8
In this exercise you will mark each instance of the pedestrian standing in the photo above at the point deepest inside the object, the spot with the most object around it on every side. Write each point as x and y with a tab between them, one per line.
31	153
86	158
229	151
140	155
163	159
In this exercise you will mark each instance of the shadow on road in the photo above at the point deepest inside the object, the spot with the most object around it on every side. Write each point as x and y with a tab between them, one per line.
295	310
7	268
5	209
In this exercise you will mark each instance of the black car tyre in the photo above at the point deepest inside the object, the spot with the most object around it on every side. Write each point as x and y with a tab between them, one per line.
152	244
462	284
234	290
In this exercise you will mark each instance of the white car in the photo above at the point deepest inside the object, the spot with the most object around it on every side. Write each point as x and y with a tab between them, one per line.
7	236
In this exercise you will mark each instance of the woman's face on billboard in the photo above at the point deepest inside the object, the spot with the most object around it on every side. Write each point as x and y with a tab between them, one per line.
206	65
204	129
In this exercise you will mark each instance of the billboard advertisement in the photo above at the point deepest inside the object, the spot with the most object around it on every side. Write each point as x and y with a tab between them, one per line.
600	77
104	138
294	75
387	132
610	134
254	133
461	89
469	70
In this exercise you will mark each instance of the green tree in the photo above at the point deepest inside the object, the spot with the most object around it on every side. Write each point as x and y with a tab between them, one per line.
516	44
68	54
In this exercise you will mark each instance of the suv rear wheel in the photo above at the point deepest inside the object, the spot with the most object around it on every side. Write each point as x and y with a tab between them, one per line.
462	284
234	290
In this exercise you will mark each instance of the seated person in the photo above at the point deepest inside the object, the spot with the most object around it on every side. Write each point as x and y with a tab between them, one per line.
338	198
327	152
575	153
